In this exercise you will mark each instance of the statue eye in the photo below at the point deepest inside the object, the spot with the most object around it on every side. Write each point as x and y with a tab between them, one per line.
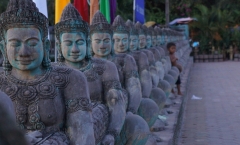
97	41
117	40
124	40
134	40
80	42
68	43
32	44
106	41
15	44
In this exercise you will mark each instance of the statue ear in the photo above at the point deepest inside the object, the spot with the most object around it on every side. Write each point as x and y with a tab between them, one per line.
57	45
47	44
46	59
89	53
112	48
2	46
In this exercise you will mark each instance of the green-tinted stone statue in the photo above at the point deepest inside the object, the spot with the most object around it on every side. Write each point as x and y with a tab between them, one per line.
53	101
105	90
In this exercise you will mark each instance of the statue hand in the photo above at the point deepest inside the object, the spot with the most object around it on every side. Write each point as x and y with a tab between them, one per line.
34	137
108	140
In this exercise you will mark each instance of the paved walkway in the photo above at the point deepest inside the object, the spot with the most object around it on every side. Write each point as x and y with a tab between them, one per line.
215	119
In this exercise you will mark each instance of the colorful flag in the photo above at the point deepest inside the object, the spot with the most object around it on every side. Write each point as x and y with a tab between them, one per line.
94	7
82	7
139	10
105	9
59	6
113	8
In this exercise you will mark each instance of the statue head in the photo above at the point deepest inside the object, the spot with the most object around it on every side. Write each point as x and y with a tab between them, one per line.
120	35
101	36
158	38
149	36
72	36
133	37
142	35
154	37
24	31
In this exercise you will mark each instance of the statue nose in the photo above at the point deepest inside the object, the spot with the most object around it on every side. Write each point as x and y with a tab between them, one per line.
75	49
24	51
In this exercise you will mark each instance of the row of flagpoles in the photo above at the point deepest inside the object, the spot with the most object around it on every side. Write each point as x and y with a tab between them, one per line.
107	7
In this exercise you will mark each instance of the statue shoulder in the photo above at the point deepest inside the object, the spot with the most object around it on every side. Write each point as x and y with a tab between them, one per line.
61	76
130	62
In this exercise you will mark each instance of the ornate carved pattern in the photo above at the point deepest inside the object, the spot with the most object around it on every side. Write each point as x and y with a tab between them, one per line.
74	105
10	89
59	80
46	90
27	95
112	84
64	70
21	112
101	121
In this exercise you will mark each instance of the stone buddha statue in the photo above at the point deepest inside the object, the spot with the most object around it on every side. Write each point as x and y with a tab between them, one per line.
51	100
101	34
105	90
144	74
142	46
152	46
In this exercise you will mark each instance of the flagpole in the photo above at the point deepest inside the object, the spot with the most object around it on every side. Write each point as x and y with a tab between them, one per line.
134	4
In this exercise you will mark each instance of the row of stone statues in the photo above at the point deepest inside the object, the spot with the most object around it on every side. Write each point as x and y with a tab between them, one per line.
109	86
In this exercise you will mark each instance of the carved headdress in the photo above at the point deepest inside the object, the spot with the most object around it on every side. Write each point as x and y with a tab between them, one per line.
157	30
147	30
140	29
119	26
132	29
21	13
71	20
100	24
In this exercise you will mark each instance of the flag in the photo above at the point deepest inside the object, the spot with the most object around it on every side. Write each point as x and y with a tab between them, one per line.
139	10
42	6
105	9
82	7
113	7
59	6
94	7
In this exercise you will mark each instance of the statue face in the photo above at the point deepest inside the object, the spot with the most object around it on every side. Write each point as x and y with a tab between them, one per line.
120	42
133	42
149	41
142	41
101	44
166	38
158	41
73	46
24	48
154	40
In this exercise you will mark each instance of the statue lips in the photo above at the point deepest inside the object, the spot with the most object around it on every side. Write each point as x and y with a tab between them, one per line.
25	61
75	56
103	49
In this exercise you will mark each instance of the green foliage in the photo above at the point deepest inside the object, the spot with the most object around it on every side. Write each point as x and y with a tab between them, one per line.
154	14
215	23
